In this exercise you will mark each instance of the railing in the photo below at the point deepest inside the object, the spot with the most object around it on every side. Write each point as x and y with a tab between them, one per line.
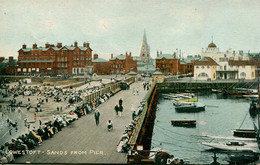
138	127
114	88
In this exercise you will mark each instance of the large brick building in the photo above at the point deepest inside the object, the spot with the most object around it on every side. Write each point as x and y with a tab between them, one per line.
122	64
167	63
8	66
54	59
100	65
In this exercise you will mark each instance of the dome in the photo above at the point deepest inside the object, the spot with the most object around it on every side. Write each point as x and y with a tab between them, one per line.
212	45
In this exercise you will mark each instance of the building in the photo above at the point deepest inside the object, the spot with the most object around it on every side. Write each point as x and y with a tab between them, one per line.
50	60
213	52
238	69
145	51
205	69
100	65
255	58
8	66
187	64
122	64
167	63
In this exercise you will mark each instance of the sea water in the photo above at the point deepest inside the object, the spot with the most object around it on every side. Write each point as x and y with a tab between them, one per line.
221	116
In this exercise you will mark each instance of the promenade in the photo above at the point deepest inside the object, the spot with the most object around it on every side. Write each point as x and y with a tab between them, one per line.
83	141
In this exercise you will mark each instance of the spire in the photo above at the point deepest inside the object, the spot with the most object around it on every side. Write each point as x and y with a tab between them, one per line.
211	39
144	37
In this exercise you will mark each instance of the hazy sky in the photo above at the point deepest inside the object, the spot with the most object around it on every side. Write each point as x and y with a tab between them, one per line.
117	26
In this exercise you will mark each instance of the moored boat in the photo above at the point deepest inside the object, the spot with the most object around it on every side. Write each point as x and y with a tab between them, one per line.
184	123
233	146
190	108
246	133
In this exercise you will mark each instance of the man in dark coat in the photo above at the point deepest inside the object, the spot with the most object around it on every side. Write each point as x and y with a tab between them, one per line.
97	115
116	109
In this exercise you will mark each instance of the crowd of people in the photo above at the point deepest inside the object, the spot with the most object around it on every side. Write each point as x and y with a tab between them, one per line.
75	109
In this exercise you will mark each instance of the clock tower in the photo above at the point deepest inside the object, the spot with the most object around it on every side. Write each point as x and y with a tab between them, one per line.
145	51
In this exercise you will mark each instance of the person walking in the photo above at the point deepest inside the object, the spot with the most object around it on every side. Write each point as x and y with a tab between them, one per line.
34	116
97	115
133	111
120	102
120	110
116	110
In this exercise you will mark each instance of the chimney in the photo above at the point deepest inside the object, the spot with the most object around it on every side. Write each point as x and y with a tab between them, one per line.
11	58
34	46
234	52
87	45
157	53
160	52
111	55
2	59
59	45
130	54
95	56
47	45
24	46
75	44
84	44
51	45
126	54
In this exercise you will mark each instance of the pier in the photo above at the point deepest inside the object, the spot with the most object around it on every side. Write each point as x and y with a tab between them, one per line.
83	141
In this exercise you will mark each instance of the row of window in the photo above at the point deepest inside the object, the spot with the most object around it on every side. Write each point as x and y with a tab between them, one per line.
117	66
61	59
62	65
82	63
202	67
82	58
62	52
32	58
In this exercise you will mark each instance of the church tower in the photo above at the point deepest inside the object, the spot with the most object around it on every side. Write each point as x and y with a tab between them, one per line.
145	51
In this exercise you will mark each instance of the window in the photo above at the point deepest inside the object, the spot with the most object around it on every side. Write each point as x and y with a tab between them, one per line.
197	67
208	67
62	59
62	65
51	53
202	67
74	52
253	74
243	66
77	57
243	75
58	59
45	58
82	63
74	58
81	52
39	53
231	66
65	59
58	64
31	53
77	52
61	52
31	58
82	57
74	63
86	63
203	74
51	58
65	65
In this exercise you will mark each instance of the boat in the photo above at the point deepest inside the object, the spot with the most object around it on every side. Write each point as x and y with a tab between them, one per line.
246	133
181	103
194	99
239	92
234	146
184	123
190	108
244	157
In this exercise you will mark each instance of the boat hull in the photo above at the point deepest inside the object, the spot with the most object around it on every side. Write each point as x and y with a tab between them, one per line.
184	123
189	109
244	133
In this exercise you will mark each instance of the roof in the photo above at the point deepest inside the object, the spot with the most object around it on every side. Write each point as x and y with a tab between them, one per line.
146	68
99	60
205	61
167	56
212	45
132	73
157	73
56	48
240	62
120	57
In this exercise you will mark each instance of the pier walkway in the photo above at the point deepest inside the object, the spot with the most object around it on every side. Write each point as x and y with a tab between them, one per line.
83	141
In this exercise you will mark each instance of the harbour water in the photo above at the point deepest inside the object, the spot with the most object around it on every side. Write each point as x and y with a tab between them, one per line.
221	116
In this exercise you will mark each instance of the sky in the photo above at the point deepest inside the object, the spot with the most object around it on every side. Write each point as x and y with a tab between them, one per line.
117	26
